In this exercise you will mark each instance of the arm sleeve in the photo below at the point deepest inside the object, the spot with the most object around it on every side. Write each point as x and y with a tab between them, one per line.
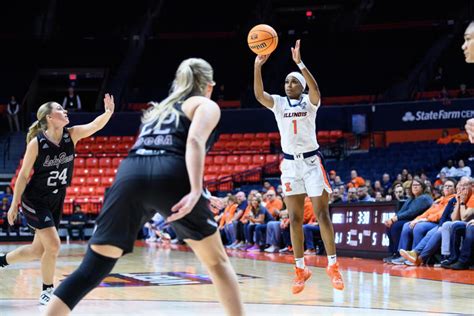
418	206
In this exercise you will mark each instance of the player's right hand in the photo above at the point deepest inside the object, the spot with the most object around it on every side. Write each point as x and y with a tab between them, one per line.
261	59
12	214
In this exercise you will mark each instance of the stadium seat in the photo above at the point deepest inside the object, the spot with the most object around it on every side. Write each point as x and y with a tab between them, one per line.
274	136
101	139
106	181
94	172
105	162
78	181
258	160
224	137
245	159
226	170
243	145
219	160
261	136
213	170
115	139
248	136
269	158
209	160
128	139
79	162
116	161
92	163
237	136
233	159
231	146
110	172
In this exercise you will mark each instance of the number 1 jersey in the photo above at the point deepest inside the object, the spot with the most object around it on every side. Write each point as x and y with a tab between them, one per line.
296	120
53	166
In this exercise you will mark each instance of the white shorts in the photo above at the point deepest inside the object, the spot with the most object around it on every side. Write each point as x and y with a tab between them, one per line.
304	176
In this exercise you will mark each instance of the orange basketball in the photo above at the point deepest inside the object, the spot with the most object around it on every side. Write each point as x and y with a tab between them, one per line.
262	39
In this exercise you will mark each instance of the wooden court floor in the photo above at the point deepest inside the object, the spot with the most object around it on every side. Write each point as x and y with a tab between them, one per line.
168	280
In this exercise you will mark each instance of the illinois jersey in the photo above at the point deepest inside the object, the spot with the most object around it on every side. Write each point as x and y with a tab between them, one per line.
53	166
296	121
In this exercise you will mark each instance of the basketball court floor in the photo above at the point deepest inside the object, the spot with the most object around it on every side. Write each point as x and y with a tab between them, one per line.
168	280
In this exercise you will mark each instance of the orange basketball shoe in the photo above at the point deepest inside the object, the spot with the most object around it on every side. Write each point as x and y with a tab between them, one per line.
335	276
302	275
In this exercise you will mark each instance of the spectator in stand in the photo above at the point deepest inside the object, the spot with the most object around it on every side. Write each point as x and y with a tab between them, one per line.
414	231
311	229
441	180
356	181
226	225
332	178
12	114
362	194
378	187
352	196
405	175
466	253
370	189
338	181
258	215
449	170
431	243
445	138
267	186
417	203
274	206
336	196
463	170
8	193
379	197
399	195
242	223
72	101
280	192
463	93
274	232
77	221
386	183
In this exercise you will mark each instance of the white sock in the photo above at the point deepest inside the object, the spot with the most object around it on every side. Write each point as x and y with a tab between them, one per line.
300	263
332	260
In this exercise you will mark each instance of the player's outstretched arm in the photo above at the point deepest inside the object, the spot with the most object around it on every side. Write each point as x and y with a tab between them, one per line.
263	97
313	89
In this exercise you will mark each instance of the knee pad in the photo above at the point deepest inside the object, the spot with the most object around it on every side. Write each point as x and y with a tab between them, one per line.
92	270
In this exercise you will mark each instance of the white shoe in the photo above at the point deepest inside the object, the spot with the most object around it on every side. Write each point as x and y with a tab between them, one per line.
152	239
46	296
283	250
272	249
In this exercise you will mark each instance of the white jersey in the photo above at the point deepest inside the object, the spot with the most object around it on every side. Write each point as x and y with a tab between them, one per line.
296	121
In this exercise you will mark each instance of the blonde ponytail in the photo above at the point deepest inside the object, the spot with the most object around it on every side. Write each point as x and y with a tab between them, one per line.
33	131
192	77
40	124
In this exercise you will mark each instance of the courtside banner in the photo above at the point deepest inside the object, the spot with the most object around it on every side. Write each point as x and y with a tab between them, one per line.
421	115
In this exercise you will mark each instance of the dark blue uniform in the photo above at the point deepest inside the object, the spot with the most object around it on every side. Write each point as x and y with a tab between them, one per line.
43	199
153	178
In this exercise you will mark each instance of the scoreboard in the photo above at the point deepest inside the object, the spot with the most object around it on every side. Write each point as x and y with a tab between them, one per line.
360	226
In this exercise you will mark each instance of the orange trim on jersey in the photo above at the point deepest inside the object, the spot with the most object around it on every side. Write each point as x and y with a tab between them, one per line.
324	174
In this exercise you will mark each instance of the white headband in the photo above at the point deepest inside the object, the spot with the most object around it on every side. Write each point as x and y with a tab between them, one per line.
298	77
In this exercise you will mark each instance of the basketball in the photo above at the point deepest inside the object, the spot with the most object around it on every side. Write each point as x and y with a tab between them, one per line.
262	39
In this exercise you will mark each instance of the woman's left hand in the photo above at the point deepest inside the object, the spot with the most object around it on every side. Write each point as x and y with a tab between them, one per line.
295	52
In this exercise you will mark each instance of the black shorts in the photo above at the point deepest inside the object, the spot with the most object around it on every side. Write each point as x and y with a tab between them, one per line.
143	186
43	210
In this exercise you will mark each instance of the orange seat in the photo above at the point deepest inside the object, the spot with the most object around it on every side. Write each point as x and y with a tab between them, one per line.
79	162
219	160
240	168
249	136
115	139
219	146
271	158
106	181
110	148
101	139
237	136
274	136
224	136
243	145
116	161
209	160
97	148
214	169
110	172
245	159
258	160
231	146
92	163
233	159
94	172
261	136
105	162
93	181
78	181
